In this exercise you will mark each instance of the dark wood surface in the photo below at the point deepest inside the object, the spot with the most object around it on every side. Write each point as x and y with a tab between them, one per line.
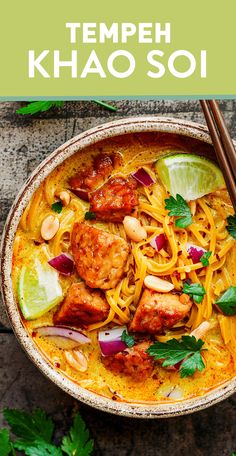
24	143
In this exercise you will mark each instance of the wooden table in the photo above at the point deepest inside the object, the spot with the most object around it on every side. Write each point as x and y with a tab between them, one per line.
25	142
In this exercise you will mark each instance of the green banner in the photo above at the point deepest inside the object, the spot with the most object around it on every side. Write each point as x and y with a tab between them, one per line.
125	48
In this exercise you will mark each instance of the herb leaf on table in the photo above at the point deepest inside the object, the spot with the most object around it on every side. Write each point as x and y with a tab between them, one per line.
29	427
105	105
41	448
227	302
187	350
179	208
77	442
5	443
39	106
35	431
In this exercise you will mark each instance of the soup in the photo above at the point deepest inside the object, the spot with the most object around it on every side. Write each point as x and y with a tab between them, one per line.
127	289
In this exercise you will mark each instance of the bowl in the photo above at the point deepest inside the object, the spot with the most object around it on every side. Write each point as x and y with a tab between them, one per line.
188	131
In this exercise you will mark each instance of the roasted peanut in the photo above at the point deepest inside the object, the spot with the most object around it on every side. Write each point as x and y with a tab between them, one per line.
202	329
49	227
76	360
154	283
64	197
134	229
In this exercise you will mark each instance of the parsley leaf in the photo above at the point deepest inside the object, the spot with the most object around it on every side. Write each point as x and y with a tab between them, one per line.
89	215
205	258
227	302
41	448
77	442
5	444
196	291
57	207
39	106
29	427
231	227
191	364
127	339
178	207
34	431
187	350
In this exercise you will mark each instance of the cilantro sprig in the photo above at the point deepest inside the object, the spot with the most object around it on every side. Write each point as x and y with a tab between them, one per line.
227	302
231	227
39	106
127	339
196	291
205	258
179	208
34	107
34	432
187	351
6	447
77	442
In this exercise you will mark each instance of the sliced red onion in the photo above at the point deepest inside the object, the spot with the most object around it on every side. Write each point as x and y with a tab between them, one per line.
62	331
158	242
143	177
195	252
81	193
110	341
63	263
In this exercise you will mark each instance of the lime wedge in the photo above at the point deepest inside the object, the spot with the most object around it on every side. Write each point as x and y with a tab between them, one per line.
39	289
191	176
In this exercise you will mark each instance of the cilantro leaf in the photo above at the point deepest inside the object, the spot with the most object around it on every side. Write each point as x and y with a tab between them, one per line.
205	258
127	339
227	302
196	291
29	427
187	350
89	215
39	106
77	442
179	208
191	364
41	448
231	227
5	444
57	207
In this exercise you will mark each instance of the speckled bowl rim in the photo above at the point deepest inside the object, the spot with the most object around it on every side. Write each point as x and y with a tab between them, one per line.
89	137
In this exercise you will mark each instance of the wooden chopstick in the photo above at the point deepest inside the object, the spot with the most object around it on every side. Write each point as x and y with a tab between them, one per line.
223	145
225	136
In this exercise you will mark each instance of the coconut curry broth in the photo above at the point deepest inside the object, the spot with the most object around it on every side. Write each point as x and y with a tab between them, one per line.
133	152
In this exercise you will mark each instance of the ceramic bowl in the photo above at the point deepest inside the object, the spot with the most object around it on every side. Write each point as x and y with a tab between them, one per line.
108	130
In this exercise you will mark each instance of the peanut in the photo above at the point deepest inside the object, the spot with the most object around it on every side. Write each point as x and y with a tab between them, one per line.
202	329
49	227
154	283
76	360
134	229
64	197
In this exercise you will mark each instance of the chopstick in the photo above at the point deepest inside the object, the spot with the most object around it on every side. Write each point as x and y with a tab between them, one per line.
224	148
